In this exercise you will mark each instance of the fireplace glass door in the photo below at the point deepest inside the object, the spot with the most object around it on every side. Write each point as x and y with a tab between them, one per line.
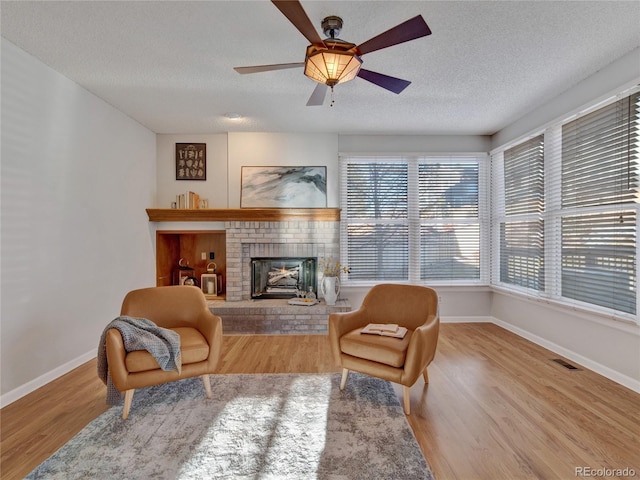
282	277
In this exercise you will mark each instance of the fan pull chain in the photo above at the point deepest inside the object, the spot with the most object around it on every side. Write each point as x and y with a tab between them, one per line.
332	98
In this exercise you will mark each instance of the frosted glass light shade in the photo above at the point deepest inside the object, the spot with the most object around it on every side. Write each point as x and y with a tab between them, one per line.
331	66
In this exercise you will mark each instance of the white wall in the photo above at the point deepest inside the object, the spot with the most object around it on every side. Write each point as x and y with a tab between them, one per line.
414	144
291	149
455	303
609	347
620	74
77	176
227	153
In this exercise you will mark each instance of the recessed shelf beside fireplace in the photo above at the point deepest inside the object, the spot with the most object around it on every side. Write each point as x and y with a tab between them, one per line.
194	249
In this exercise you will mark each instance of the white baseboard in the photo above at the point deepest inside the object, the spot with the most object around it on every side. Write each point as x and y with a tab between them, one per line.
469	319
42	380
630	383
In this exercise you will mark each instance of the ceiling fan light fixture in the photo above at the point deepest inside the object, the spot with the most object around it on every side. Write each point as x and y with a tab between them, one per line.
331	66
332	61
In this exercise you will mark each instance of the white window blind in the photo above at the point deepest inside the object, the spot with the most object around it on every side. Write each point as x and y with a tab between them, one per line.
524	177
564	211
522	230
377	213
412	219
599	189
449	229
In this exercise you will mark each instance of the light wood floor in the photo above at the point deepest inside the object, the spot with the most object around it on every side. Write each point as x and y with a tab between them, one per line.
496	407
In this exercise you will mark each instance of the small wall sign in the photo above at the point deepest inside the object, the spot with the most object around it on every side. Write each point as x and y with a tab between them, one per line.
191	161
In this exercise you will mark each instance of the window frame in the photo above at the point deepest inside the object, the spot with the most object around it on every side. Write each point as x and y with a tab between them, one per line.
414	222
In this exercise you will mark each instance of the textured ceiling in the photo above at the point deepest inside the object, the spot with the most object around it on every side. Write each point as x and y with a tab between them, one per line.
169	65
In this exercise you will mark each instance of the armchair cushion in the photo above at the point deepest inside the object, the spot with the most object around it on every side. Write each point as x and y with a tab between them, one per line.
193	347
387	350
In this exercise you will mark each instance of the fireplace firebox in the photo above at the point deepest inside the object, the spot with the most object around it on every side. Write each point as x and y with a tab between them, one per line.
282	277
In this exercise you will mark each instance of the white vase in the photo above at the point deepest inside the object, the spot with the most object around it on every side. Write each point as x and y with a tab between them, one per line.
330	287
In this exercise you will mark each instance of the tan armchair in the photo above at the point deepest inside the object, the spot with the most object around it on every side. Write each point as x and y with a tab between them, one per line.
182	309
396	360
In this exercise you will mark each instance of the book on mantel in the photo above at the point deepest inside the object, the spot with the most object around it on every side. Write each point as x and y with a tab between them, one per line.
385	330
189	200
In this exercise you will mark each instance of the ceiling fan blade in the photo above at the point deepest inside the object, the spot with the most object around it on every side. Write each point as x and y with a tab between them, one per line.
317	97
267	68
393	84
413	28
295	13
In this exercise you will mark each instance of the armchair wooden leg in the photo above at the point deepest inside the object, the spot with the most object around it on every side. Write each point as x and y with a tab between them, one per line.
128	398
406	392
425	375
343	382
207	385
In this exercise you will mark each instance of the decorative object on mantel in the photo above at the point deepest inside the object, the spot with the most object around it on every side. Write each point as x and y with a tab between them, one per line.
190	200
330	284
191	161
284	187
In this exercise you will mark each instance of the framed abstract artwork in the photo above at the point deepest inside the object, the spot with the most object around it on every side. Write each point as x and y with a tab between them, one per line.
191	161
284	187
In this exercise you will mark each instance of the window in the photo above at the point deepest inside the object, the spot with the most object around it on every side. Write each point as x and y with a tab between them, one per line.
565	210
599	189
449	227
522	226
412	219
378	220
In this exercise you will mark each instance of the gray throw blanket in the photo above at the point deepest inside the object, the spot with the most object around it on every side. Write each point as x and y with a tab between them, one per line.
139	334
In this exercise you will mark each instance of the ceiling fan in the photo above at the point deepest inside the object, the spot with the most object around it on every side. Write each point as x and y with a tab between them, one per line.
332	61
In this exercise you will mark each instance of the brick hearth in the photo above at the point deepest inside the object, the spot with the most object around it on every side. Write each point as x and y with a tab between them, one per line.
275	316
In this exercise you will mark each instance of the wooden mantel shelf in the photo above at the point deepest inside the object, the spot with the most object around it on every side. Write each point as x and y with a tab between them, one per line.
243	214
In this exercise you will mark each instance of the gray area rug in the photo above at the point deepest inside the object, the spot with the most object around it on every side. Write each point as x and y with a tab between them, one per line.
276	426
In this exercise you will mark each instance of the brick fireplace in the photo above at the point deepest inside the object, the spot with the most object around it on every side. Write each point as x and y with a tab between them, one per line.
246	240
250	233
